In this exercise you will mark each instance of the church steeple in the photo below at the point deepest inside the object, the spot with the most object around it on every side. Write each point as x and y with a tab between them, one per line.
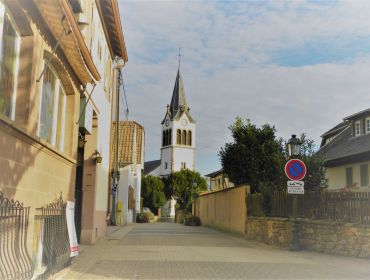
178	104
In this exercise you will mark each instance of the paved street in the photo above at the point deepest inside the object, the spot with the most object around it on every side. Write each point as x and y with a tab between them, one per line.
172	251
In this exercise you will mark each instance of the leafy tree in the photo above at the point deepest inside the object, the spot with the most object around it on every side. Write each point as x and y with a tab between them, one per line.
255	157
186	186
315	177
152	193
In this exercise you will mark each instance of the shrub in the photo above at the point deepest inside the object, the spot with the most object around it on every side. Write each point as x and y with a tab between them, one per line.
150	215
142	218
192	221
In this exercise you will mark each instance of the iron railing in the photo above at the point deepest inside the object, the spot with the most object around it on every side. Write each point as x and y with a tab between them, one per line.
15	261
52	239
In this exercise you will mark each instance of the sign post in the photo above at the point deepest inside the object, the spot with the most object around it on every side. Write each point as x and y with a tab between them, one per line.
295	170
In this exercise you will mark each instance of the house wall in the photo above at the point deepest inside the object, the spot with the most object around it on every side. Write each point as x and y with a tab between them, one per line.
225	209
336	176
32	170
101	100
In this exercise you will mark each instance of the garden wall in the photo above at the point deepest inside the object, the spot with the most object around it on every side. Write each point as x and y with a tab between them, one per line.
322	236
224	209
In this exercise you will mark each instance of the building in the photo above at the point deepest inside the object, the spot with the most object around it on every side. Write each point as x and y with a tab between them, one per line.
178	130
218	180
346	149
53	55
103	34
131	164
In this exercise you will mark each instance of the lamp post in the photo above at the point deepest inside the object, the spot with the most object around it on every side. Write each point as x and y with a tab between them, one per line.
294	148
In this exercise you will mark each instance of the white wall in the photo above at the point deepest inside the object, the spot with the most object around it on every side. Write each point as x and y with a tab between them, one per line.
130	176
336	176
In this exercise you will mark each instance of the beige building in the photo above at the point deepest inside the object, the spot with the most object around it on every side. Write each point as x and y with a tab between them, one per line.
218	181
131	147
346	149
53	53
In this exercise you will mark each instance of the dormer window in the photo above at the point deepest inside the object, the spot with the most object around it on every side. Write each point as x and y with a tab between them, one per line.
368	125
357	128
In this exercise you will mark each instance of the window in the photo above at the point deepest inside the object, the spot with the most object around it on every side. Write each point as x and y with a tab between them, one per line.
52	109
189	138
368	125
9	58
357	128
364	175
163	138
183	138
178	140
170	137
165	165
349	177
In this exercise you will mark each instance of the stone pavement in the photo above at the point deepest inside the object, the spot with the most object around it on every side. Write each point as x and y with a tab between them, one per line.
173	251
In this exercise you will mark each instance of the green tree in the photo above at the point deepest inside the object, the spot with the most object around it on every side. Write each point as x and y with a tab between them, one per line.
152	192
186	187
255	156
315	178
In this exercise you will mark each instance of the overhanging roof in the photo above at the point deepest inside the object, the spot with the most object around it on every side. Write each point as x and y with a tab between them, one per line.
58	16
109	13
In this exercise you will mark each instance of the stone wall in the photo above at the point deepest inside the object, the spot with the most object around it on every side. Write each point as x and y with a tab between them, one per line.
321	236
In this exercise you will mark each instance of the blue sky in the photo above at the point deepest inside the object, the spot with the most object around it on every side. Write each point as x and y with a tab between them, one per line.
299	65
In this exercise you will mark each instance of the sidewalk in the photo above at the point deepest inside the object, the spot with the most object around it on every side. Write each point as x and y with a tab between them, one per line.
174	251
89	255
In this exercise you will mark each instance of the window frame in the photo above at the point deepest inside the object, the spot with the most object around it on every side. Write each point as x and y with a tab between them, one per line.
357	123
4	12
364	175
56	93
367	125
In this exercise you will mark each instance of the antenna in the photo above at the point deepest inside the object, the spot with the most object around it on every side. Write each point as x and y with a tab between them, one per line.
179	55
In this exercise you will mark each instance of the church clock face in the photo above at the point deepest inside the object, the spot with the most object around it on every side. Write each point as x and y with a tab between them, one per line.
184	122
167	123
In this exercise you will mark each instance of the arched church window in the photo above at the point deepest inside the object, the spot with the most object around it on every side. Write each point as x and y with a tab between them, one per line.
183	138
188	142
163	138
170	137
178	139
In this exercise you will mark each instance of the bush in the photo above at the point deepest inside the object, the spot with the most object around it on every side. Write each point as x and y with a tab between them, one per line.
142	218
150	215
192	221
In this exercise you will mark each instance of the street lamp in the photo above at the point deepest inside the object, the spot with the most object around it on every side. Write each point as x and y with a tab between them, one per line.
294	148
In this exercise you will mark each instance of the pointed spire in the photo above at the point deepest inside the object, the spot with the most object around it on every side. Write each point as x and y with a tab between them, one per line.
178	101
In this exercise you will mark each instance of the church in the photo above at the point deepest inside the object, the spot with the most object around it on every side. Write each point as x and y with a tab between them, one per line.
178	141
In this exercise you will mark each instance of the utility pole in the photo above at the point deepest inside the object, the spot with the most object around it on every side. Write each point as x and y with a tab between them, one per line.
116	173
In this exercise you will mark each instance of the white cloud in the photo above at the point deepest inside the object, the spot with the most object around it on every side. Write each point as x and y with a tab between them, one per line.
229	70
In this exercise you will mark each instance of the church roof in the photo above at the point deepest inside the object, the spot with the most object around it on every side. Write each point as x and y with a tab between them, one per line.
178	105
149	166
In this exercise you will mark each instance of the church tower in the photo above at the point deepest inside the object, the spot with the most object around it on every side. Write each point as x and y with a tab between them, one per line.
178	133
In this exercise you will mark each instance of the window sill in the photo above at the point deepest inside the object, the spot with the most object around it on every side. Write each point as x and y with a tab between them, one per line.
11	127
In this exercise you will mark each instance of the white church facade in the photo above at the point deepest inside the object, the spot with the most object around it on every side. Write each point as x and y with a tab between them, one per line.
178	140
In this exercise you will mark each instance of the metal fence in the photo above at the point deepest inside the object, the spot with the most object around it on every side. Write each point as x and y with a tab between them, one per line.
353	207
52	239
15	261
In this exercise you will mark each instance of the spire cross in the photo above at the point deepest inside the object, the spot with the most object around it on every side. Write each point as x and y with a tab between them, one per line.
179	55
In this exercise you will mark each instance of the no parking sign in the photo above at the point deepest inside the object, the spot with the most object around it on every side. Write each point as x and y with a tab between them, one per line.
295	169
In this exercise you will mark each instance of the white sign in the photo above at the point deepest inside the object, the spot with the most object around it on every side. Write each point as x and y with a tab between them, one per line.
295	183
296	190
70	215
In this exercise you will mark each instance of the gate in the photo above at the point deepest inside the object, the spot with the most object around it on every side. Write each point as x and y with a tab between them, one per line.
15	261
52	239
